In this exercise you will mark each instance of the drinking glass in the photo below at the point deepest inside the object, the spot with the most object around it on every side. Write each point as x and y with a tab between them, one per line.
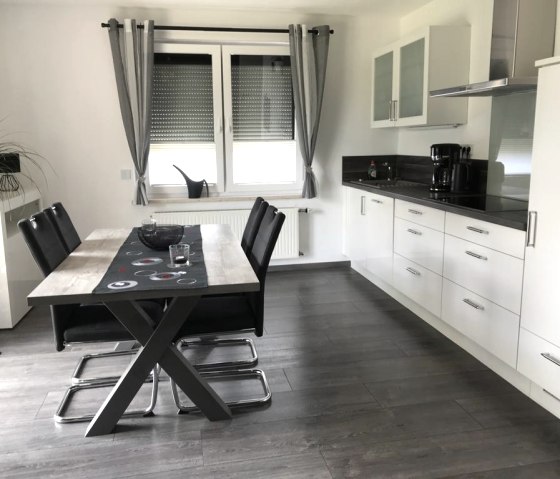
179	255
149	225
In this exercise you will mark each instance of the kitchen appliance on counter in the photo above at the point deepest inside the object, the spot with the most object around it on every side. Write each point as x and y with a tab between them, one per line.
443	157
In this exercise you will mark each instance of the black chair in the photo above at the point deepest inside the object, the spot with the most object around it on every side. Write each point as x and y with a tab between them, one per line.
253	223
64	226
78	323
211	341
232	313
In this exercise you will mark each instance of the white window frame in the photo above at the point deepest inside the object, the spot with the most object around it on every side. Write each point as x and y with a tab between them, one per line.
227	52
163	191
223	128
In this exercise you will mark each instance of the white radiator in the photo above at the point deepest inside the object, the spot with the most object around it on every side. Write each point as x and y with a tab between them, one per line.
287	245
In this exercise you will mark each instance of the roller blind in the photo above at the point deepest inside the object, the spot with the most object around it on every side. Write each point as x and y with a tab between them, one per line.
182	104
262	100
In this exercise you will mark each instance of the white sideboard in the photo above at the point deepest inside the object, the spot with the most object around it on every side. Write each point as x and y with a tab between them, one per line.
18	272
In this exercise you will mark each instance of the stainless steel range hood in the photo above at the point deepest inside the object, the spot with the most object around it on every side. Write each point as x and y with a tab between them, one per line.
522	33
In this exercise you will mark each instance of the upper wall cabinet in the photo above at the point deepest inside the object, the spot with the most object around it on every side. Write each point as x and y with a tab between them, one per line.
404	72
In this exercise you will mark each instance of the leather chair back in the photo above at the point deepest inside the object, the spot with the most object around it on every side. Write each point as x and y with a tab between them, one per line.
64	226
43	241
260	255
253	223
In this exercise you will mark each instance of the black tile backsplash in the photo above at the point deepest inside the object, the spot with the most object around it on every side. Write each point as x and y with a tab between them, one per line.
407	167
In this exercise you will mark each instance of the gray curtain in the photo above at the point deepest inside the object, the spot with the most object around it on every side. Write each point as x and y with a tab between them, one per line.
133	71
308	80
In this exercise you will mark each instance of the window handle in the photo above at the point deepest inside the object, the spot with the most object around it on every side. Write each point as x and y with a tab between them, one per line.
220	125
230	125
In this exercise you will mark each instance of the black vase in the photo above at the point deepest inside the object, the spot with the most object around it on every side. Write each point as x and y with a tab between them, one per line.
194	187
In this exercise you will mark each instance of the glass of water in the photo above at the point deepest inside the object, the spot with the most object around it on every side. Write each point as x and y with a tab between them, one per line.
179	255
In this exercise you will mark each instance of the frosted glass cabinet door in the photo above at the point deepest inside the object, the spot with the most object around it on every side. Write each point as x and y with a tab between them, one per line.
411	88
382	87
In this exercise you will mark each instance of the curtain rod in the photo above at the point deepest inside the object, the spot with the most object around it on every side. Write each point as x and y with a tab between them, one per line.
218	29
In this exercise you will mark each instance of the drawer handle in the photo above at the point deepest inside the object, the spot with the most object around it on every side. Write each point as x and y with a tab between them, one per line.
362	205
551	358
414	232
415	212
477	256
473	304
552	395
478	230
377	201
413	271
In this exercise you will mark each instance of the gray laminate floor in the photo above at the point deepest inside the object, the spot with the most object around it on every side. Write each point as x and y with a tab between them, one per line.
361	388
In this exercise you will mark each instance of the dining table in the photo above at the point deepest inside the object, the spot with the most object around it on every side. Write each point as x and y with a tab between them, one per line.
77	278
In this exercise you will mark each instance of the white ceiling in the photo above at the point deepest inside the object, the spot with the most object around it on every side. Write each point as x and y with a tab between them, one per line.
336	7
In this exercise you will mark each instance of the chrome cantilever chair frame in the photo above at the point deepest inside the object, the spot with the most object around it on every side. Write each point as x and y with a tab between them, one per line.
229	374
259	258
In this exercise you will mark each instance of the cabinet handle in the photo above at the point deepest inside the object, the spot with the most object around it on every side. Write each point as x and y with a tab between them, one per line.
477	256
478	230
551	358
531	229
473	304
362	205
379	202
552	395
391	110
413	271
414	232
415	212
395	110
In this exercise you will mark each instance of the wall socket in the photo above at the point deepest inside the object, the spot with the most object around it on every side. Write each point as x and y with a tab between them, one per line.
126	174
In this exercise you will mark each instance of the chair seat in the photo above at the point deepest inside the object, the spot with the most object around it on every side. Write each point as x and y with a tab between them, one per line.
94	322
220	314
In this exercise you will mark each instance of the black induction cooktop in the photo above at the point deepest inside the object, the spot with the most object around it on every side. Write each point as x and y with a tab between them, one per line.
487	203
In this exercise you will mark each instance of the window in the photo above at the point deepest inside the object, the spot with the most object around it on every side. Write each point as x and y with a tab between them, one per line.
225	114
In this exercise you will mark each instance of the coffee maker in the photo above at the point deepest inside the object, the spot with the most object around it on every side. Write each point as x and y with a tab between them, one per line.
443	156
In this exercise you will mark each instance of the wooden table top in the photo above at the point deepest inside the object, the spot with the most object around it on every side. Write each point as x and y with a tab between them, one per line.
73	281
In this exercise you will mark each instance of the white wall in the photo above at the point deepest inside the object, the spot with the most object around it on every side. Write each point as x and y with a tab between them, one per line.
58	96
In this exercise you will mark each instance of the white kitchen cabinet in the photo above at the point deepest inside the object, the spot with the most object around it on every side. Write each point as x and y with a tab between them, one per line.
539	360
418	258
379	236
501	238
487	272
355	226
403	74
18	272
494	328
540	312
368	232
418	283
420	214
420	244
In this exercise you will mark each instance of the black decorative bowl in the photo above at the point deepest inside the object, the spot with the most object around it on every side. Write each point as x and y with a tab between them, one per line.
160	237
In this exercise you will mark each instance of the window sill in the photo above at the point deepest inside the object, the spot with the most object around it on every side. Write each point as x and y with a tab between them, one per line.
220	199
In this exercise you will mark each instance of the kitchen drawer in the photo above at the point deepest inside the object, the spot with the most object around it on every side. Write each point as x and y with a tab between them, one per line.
494	328
500	238
493	275
539	361
419	244
418	283
422	215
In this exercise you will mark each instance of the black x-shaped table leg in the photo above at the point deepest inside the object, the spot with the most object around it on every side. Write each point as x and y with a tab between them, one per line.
157	348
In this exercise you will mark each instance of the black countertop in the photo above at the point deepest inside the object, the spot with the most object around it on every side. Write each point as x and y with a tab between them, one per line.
513	218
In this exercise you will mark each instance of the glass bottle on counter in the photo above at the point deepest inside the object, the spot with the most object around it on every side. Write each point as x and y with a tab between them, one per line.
372	171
